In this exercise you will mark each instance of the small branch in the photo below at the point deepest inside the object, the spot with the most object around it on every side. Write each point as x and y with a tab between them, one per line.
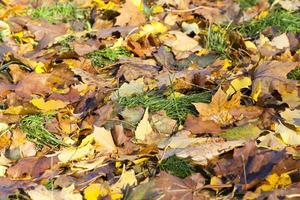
186	10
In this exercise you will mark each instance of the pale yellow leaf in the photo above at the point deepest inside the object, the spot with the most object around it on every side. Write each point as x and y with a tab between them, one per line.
288	136
103	140
73	153
144	128
127	179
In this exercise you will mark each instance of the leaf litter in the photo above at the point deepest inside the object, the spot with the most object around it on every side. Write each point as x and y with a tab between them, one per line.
149	99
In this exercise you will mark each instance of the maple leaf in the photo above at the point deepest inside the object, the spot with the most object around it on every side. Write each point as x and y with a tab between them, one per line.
225	112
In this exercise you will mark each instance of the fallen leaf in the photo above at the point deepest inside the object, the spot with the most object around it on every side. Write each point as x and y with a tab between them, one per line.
31	167
288	136
48	105
41	193
246	132
162	123
134	87
95	190
198	126
127	179
226	112
204	152
271	76
274	181
175	39
130	15
237	84
103	140
291	117
144	128
72	153
271	141
281	41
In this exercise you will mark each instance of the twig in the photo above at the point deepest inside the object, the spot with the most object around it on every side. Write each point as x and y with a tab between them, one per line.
186	10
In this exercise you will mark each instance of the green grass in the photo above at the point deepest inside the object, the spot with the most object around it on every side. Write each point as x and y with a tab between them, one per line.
58	12
65	43
216	40
34	127
107	56
294	74
282	20
176	107
176	166
245	4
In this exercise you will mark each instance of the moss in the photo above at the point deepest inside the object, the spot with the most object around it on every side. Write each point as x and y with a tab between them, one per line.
176	166
279	19
176	107
107	56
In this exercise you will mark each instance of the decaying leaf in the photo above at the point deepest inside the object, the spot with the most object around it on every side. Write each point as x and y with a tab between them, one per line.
205	152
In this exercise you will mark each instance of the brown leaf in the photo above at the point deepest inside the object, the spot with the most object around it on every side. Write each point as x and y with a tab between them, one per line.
31	167
249	165
33	83
130	15
197	126
175	188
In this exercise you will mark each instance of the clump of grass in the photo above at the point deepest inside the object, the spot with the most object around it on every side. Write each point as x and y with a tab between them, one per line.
245	4
107	56
33	126
216	40
279	19
176	166
176	107
294	74
65	43
58	12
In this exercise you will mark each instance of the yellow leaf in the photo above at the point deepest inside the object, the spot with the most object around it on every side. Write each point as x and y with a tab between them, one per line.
39	68
14	110
137	3
274	181
144	128
105	6
72	153
256	92
238	84
227	63
48	105
250	45
93	191
153	28
263	14
3	126
157	9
